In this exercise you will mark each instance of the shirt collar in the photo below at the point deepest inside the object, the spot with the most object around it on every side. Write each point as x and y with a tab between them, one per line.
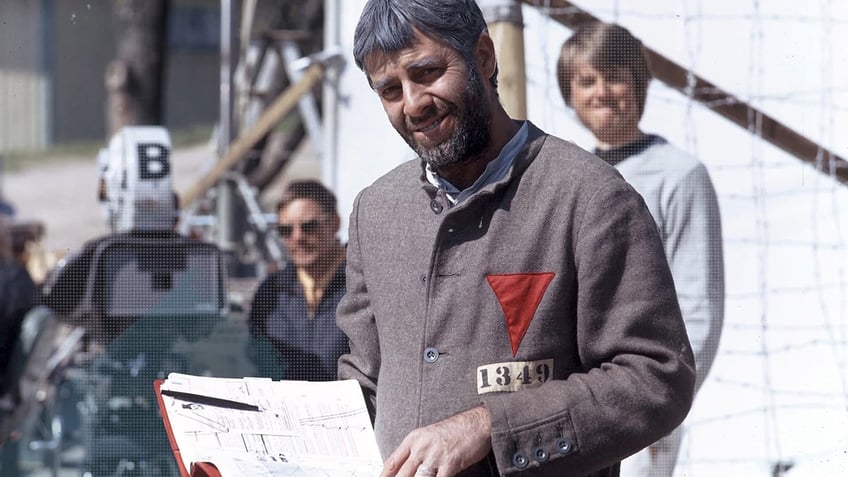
618	154
495	170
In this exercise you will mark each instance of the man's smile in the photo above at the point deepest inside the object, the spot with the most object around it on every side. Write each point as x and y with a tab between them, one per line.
430	127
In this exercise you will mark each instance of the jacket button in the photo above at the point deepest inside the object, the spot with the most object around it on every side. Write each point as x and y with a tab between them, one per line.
436	207
423	279
563	446
520	460
431	355
541	455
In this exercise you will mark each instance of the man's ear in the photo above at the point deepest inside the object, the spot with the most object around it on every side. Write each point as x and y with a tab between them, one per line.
484	54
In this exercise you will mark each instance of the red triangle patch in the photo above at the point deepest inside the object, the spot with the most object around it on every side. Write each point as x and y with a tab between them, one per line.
519	295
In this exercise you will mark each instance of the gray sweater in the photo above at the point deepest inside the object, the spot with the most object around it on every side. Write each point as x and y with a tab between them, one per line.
682	200
545	296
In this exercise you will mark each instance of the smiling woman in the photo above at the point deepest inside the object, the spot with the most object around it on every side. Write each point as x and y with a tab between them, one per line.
603	76
607	103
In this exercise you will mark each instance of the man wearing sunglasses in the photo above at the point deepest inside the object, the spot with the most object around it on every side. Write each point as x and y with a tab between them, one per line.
295	308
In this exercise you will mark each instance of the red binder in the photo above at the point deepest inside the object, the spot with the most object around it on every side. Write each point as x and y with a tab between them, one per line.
198	469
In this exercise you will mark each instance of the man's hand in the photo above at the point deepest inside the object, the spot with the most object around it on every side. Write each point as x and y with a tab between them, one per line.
444	448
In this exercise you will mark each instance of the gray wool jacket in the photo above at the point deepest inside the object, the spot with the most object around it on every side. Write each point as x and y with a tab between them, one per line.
545	296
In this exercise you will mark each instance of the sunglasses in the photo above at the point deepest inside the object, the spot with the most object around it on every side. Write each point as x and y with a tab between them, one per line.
309	227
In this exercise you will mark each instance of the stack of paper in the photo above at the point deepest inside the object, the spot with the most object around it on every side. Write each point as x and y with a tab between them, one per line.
259	427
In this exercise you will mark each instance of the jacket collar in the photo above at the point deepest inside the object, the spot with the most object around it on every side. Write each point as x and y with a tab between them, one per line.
526	155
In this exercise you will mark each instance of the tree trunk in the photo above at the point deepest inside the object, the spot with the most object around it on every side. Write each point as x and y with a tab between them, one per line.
135	79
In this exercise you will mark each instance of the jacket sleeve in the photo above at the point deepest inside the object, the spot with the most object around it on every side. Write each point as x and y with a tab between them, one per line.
356	319
694	248
637	375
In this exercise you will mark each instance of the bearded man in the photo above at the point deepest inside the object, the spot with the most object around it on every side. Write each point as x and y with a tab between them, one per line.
509	305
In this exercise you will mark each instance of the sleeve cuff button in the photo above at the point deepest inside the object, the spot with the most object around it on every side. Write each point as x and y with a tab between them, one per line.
563	446
520	460
541	455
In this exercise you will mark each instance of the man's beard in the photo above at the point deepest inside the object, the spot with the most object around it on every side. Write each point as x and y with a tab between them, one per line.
472	133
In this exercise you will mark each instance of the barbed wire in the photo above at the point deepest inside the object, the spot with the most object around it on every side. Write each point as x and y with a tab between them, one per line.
615	12
758	331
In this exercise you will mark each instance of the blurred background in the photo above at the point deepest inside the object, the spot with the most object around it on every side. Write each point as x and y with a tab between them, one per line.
257	93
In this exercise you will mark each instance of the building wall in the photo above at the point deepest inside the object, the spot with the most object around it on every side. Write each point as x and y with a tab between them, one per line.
83	45
53	56
23	87
191	69
192	91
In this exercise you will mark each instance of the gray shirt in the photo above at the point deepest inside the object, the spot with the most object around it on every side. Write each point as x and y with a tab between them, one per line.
682	200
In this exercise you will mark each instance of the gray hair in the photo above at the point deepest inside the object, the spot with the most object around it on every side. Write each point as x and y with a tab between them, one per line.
387	26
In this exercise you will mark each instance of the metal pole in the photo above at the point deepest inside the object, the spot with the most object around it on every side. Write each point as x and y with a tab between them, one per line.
506	27
225	203
329	156
307	105
2	171
48	72
229	57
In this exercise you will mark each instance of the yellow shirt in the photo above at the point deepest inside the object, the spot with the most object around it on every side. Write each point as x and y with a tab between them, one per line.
313	287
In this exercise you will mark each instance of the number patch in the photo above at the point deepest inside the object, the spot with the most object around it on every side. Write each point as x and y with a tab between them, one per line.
513	375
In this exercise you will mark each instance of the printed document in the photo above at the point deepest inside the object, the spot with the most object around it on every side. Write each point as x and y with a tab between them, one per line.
261	427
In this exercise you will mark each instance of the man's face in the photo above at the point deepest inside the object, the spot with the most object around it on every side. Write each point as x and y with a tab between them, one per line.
308	233
606	103
434	100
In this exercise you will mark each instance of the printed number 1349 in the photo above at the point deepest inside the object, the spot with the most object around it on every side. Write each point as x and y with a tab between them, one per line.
506	375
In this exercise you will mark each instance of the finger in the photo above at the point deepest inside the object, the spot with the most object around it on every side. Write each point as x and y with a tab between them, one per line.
395	461
410	466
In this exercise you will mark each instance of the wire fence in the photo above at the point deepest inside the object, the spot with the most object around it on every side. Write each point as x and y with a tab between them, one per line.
776	400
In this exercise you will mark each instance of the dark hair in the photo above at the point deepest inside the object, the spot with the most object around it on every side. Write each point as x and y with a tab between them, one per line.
605	46
308	189
387	26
